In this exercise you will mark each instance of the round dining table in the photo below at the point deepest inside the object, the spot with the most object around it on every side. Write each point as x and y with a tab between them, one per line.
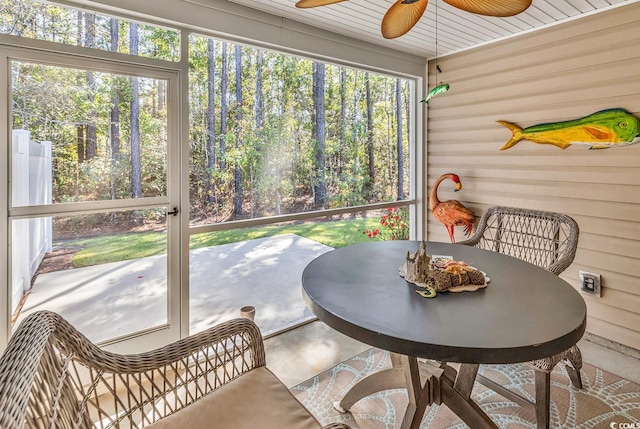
524	313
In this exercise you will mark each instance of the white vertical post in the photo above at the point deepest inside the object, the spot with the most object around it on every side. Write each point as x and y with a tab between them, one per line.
21	276
48	194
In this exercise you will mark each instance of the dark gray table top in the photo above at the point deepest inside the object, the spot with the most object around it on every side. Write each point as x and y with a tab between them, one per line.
525	313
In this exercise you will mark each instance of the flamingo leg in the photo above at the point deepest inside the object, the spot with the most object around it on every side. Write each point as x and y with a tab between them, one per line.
450	231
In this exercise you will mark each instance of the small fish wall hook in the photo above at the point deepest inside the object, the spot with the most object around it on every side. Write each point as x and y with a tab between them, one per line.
440	89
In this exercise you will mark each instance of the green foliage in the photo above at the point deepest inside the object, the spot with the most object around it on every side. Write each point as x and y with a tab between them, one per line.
331	233
120	247
113	248
44	21
275	152
54	102
278	160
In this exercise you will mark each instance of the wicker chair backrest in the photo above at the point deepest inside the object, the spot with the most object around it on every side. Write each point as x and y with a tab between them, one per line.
546	239
51	376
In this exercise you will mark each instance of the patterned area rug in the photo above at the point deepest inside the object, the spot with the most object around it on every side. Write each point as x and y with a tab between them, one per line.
607	401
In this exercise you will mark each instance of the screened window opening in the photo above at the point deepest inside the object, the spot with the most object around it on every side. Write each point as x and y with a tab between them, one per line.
57	23
273	134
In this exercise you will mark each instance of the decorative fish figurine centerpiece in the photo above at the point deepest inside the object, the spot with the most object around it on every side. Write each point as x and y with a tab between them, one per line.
437	90
600	130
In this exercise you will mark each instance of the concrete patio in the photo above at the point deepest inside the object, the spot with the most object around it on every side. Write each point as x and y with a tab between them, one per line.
115	299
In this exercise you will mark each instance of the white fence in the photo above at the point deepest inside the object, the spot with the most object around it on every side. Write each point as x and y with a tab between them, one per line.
31	184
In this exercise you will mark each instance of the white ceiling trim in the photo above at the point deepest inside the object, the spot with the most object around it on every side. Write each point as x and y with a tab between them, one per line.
457	30
553	24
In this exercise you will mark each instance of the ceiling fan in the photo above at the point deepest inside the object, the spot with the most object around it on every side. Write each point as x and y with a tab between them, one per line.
404	14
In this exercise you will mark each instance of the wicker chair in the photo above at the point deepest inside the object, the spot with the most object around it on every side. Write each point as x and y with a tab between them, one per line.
548	240
52	376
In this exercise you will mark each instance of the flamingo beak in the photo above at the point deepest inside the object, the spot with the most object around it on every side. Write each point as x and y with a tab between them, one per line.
458	186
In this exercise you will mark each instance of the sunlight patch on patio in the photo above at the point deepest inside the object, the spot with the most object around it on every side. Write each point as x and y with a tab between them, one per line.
115	299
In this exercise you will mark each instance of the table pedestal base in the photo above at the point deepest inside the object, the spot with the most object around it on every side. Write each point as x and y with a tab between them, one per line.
426	383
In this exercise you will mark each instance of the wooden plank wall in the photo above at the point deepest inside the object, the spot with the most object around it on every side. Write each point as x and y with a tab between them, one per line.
561	73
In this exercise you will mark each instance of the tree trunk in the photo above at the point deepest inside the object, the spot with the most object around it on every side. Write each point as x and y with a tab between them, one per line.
259	101
136	164
357	93
92	134
80	149
278	144
257	107
224	79
407	111
399	140
372	172
114	125
211	122
343	121
319	185
80	143
237	170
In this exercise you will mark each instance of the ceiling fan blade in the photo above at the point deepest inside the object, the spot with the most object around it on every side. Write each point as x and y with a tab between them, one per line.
315	3
401	17
502	8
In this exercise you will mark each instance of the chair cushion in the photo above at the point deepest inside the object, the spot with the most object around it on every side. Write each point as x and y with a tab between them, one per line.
256	399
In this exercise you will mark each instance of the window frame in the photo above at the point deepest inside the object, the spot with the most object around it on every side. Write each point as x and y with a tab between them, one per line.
274	39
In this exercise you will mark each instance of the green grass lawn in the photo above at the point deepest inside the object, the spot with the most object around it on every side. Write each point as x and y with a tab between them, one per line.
112	248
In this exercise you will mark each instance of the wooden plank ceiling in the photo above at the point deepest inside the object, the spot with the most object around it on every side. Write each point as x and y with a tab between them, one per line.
456	30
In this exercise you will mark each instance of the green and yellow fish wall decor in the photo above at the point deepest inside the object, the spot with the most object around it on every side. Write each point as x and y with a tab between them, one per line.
600	130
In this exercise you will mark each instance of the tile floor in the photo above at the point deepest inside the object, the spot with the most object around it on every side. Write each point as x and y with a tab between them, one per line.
299	354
